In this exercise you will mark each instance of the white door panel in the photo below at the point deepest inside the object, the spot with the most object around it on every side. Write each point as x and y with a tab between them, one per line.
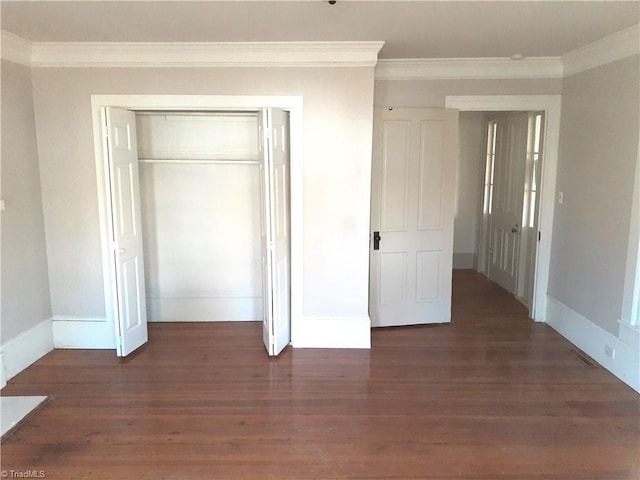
394	175
413	194
430	189
274	172
427	283
131	321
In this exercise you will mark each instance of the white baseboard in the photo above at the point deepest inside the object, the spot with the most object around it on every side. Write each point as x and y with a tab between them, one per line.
593	340
333	332
3	376
76	332
463	261
204	309
629	334
21	351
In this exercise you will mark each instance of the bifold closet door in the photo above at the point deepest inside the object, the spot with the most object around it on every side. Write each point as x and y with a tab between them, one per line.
130	310
276	247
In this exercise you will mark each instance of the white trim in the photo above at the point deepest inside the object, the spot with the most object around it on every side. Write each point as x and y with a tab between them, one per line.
3	375
221	308
71	318
606	50
631	296
206	54
294	104
334	332
467	68
15	49
550	104
23	350
593	340
629	334
315	54
78	332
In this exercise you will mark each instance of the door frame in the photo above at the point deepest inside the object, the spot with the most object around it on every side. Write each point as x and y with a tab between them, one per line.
185	103
551	105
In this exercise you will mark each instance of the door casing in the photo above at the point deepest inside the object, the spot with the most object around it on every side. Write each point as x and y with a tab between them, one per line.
184	103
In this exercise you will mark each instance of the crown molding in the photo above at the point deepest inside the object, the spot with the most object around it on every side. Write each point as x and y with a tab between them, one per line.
15	49
315	54
468	68
608	49
210	54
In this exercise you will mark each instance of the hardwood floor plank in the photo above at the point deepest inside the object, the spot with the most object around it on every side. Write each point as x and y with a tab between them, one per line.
491	396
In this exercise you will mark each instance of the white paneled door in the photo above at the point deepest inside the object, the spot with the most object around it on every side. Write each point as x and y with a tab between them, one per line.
505	209
274	175
131	315
413	202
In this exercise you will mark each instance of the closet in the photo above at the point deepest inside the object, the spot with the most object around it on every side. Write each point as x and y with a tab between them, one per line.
199	220
200	204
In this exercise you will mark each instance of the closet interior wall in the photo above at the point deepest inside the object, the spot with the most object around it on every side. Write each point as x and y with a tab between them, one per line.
200	199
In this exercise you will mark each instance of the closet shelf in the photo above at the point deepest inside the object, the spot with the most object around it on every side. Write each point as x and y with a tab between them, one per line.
198	161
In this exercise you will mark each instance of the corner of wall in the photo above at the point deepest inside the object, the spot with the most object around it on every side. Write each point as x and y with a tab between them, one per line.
77	332
21	351
620	355
463	260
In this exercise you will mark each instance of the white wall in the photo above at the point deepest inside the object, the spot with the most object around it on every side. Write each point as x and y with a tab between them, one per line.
201	221
471	160
25	284
597	160
432	93
598	154
337	175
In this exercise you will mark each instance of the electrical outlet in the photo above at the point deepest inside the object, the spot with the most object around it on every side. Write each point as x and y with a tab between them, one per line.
610	352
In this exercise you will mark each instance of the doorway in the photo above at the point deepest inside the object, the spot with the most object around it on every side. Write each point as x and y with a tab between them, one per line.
549	105
122	303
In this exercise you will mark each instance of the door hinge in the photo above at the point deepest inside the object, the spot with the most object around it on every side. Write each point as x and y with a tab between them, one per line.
539	235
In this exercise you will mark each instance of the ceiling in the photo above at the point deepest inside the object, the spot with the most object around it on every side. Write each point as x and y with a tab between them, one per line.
411	29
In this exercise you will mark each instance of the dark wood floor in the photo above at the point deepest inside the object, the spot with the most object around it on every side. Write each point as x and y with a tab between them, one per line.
491	396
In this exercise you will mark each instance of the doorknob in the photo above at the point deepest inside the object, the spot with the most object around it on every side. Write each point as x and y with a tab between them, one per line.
515	229
121	251
376	240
